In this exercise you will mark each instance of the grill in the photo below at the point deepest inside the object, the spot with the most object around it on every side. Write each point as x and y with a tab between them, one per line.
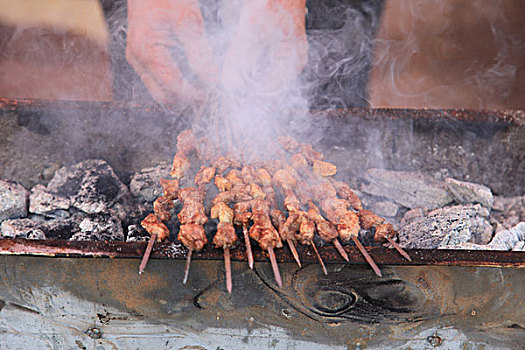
438	287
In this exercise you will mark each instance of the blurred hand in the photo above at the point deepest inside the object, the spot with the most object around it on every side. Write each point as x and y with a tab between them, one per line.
269	48
155	28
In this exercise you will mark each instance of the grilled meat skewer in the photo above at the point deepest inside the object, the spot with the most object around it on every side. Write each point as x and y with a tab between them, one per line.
225	237
158	232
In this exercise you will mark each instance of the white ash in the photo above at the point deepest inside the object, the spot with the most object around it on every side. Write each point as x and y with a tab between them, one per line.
21	228
409	189
99	227
468	192
448	226
385	208
136	233
512	239
43	202
145	184
13	200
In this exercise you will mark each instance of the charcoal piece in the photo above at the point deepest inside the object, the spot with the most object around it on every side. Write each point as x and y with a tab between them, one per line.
145	184
412	215
92	186
385	208
409	189
136	233
13	200
99	227
448	226
509	211
21	228
507	240
43	202
63	228
519	247
467	192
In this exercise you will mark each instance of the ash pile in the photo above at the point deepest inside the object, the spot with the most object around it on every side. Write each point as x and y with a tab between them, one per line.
87	201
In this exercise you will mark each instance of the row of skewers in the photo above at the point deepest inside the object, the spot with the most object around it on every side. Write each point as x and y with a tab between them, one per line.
287	199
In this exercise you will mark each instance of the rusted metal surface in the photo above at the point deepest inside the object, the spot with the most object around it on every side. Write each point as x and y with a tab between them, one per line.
105	304
173	250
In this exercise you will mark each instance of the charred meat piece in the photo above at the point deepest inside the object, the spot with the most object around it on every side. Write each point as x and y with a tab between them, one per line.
170	188
306	231
193	208
291	203
384	231
299	162
256	191
325	229
263	231
192	236
263	177
303	192
222	184
284	180
344	191
180	166
369	219
162	207
323	190
204	175
288	143
154	226
324	169
310	154
235	179
225	236
248	174
278	218
348	225
271	166
221	164
333	208
223	212
242	213
232	196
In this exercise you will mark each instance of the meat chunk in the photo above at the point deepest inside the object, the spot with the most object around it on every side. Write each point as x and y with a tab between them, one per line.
325	229
323	190
222	184
344	191
192	213
263	177
369	219
154	226
263	231
324	168
223	212
383	231
170	188
192	236
221	164
309	153
299	162
225	236
284	180
204	175
242	214
248	174
288	143
162	207
348	225
306	232
180	166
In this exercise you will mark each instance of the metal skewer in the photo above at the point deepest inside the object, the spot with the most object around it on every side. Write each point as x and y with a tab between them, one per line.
275	267
340	249
294	251
187	268
399	249
248	246
147	253
320	259
367	256
228	267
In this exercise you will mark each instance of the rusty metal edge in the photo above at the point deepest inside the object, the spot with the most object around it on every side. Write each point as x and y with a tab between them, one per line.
175	251
504	117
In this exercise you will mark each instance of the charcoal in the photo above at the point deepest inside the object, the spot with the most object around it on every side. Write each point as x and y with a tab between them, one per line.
519	247
409	189
99	227
92	186
468	192
508	239
385	208
22	228
145	185
13	200
448	226
508	211
63	228
136	233
43	202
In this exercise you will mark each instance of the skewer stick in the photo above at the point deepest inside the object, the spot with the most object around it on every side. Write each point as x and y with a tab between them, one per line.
147	253
275	268
320	259
399	249
228	267
248	246
187	268
367	256
340	249
294	251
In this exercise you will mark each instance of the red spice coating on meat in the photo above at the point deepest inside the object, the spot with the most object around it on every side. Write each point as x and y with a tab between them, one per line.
192	236
369	219
154	226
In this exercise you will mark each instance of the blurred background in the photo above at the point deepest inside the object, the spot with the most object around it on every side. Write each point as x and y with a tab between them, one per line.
434	54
